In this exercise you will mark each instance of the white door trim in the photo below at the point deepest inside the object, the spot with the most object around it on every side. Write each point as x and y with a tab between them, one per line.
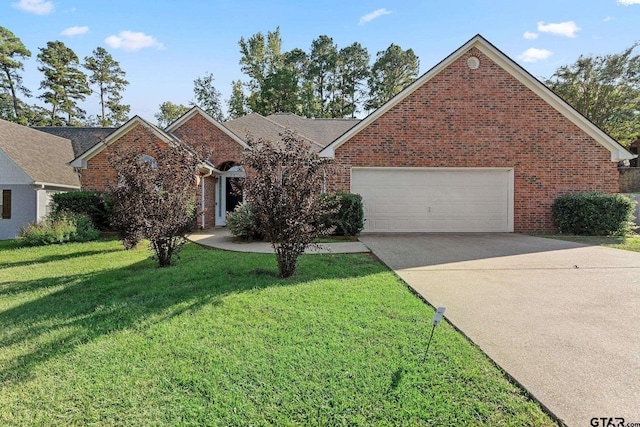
221	192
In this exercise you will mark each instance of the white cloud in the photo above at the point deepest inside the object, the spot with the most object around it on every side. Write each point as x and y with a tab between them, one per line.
132	41
373	15
38	7
567	29
628	2
75	31
608	19
529	35
534	55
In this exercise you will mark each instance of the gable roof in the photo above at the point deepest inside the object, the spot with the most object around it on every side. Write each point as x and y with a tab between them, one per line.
197	110
618	152
255	125
322	131
42	156
81	160
82	138
317	132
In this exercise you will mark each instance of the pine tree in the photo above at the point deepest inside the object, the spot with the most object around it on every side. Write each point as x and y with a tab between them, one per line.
107	75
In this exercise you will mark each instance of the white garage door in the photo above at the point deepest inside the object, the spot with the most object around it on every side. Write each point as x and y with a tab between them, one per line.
435	199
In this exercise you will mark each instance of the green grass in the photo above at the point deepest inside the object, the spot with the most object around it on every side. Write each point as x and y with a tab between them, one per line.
627	243
94	335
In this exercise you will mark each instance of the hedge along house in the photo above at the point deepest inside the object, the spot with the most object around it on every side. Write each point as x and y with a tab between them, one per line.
476	144
32	168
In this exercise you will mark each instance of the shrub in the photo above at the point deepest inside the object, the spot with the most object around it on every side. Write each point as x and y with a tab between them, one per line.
284	190
242	223
349	219
155	200
59	228
97	205
595	214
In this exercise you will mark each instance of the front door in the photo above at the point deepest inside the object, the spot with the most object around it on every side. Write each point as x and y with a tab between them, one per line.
233	193
226	196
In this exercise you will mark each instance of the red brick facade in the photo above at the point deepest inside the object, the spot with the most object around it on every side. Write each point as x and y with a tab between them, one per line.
485	117
197	131
99	174
459	117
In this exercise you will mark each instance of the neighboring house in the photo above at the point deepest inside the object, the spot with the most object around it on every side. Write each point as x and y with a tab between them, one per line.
476	144
32	168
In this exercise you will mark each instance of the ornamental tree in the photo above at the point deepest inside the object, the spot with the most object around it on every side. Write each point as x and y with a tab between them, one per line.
155	198
284	185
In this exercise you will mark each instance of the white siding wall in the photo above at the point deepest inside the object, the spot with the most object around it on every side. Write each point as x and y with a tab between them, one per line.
10	173
23	210
45	199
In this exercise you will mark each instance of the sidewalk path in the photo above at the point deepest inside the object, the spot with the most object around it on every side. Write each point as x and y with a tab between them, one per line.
221	238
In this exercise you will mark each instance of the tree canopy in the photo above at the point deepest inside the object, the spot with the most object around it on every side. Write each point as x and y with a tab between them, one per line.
12	53
63	87
207	96
64	84
326	82
606	90
169	113
393	70
107	75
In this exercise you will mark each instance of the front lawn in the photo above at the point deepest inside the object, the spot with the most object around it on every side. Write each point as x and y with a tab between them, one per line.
91	334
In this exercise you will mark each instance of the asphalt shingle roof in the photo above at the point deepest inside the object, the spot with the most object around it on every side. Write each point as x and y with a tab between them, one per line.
81	138
318	132
322	131
40	155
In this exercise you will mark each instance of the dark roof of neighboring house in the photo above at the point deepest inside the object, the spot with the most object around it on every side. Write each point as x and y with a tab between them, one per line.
318	132
40	155
81	138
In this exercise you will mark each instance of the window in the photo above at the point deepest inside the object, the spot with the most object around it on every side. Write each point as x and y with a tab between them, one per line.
5	204
150	160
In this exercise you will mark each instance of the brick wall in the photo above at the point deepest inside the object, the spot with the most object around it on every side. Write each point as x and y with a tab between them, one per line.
99	174
485	118
201	133
198	131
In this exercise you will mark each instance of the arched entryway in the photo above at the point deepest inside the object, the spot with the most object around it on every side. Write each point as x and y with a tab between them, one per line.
230	178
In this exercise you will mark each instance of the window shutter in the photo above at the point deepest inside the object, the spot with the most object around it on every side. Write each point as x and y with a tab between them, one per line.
6	204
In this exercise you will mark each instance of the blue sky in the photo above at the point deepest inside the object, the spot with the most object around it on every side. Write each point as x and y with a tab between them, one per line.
164	45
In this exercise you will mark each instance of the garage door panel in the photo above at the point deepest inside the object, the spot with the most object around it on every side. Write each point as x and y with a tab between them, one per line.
435	200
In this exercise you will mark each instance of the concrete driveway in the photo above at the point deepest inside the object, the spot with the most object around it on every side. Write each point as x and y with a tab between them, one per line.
563	319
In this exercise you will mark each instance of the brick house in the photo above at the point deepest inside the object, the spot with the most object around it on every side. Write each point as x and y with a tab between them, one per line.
475	144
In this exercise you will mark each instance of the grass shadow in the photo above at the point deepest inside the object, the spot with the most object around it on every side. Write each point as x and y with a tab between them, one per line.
87	306
52	258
